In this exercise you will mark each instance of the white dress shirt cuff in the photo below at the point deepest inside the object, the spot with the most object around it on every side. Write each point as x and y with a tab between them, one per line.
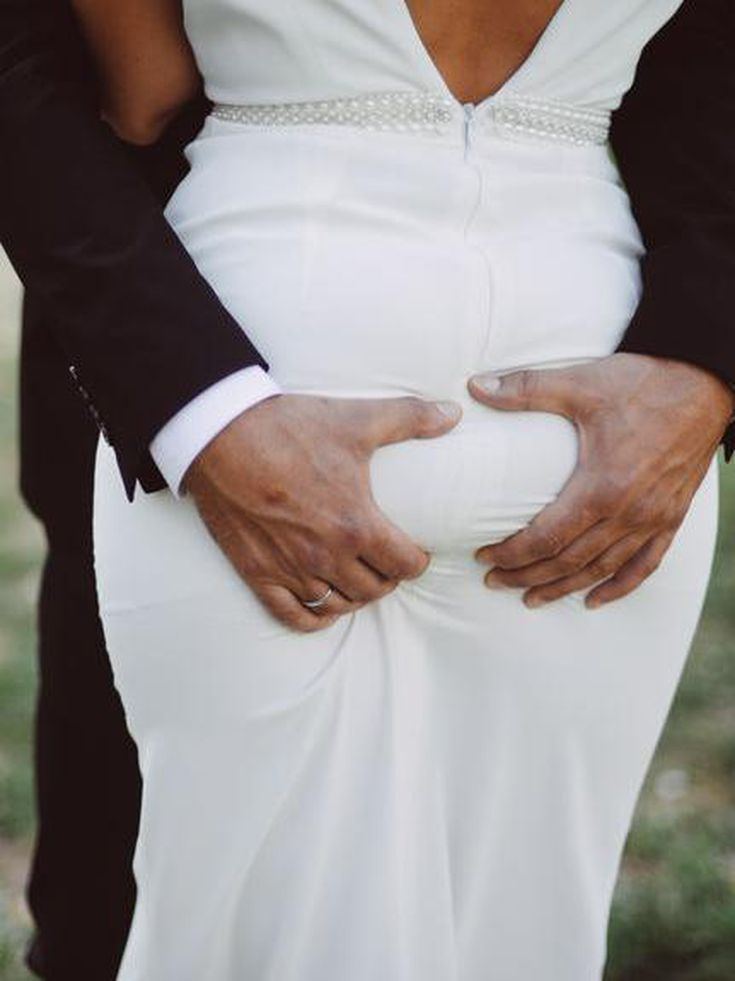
187	433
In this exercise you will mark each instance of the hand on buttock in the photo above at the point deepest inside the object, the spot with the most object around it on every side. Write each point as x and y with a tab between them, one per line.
285	492
648	429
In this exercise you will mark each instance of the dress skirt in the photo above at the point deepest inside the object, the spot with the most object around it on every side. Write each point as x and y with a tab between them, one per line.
439	786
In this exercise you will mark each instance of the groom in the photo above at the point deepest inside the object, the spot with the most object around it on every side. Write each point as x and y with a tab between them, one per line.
172	382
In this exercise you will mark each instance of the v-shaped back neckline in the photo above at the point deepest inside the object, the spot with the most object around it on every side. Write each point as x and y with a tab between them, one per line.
422	51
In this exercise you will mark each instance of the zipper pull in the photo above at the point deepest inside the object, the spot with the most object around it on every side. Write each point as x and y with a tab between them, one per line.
469	113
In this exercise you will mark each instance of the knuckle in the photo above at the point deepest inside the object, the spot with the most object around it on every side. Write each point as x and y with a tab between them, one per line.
411	565
351	534
247	565
608	496
587	512
568	564
415	410
376	539
600	569
287	610
314	557
640	514
548	542
526	383
648	512
361	596
399	561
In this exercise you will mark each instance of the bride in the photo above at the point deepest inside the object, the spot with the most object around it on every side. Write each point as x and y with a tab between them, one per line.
392	197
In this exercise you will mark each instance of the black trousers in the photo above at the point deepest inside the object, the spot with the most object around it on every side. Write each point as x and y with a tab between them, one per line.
81	890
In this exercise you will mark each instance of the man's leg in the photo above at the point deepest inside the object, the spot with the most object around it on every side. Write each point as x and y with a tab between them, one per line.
81	890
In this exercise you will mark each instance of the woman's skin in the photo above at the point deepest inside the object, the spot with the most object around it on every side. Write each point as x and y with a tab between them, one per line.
149	71
477	45
144	60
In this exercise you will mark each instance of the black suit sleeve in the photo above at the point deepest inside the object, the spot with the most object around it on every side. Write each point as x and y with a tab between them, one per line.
87	236
674	140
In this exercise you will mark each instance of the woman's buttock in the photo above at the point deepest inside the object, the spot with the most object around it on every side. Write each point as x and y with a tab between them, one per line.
381	265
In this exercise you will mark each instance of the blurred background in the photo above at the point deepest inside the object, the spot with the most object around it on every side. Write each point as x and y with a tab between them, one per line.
674	916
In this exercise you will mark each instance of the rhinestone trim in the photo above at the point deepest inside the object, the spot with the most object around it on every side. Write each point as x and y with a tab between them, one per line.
381	111
538	119
555	121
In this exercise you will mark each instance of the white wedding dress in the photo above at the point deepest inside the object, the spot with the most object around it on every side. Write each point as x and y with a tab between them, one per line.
437	788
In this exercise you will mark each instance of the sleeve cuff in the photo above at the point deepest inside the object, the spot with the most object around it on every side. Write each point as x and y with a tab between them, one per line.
185	435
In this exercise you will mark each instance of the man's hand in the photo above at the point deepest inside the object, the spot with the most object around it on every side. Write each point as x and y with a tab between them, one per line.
648	428
284	490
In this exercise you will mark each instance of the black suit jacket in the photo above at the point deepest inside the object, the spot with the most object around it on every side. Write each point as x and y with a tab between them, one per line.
113	291
115	295
674	138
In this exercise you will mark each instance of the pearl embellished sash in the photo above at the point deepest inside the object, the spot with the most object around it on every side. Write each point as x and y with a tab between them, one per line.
512	116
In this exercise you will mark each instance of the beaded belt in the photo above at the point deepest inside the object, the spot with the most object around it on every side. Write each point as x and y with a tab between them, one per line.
543	120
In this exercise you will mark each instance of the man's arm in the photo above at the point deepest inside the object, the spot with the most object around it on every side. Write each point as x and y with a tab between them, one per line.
88	237
674	139
283	487
651	416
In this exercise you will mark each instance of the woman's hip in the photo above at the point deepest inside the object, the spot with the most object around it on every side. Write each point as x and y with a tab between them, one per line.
185	633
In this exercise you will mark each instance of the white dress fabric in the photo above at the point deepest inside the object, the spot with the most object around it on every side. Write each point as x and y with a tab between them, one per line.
438	787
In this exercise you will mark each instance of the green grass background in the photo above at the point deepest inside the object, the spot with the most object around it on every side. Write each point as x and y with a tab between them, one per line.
674	916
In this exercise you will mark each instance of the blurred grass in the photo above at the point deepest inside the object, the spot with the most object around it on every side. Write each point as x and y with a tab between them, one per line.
674	914
20	556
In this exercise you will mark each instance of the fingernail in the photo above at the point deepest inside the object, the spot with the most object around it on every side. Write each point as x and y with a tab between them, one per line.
488	383
450	409
494	583
594	603
533	602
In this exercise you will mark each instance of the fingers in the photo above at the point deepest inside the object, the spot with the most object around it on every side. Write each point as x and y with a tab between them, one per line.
286	607
639	467
394	420
333	602
604	565
578	509
364	561
391	552
635	571
296	521
550	390
585	549
353	586
360	584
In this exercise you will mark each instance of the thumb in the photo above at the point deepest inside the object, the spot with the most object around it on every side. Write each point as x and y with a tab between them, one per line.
394	420
549	390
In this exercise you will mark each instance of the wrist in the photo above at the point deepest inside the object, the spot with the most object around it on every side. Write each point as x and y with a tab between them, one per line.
693	381
714	387
196	424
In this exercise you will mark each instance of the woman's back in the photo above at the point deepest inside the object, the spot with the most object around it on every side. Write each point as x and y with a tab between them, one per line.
279	51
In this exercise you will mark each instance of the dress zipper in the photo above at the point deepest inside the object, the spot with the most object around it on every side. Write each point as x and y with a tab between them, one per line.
469	113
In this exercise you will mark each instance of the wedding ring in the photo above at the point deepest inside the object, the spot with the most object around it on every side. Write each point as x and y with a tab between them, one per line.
315	604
